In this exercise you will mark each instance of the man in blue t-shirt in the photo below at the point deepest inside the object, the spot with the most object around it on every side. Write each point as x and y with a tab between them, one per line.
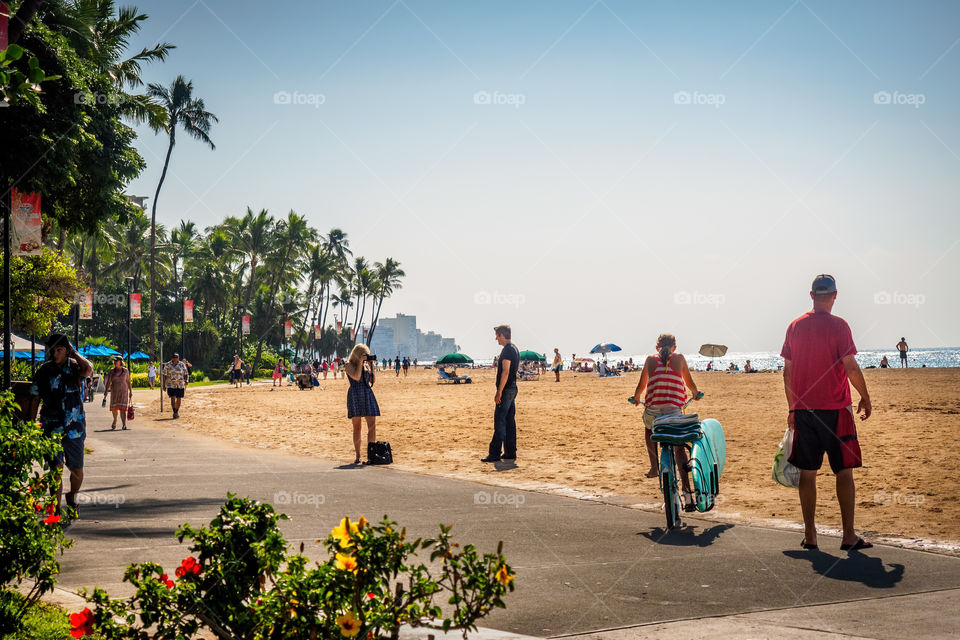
505	412
58	383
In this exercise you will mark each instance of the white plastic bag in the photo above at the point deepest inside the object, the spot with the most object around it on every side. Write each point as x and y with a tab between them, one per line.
784	472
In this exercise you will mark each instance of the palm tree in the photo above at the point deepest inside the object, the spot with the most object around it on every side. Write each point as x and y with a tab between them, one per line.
251	236
360	278
339	247
389	275
183	110
182	240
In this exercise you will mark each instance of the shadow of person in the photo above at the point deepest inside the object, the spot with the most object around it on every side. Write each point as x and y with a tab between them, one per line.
504	465
685	536
856	567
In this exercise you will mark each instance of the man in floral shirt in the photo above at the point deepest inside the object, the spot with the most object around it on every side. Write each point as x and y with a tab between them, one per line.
58	384
176	376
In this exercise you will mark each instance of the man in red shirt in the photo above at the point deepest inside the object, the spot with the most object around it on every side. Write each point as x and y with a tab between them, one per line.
818	355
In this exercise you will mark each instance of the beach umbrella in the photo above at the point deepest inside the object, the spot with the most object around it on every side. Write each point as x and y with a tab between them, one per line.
531	356
455	358
605	347
137	355
98	351
713	351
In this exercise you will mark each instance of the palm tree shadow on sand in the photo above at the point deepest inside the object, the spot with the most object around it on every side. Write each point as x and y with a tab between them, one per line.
857	567
685	536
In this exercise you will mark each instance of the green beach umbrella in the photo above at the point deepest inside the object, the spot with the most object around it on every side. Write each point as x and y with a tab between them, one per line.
455	358
531	356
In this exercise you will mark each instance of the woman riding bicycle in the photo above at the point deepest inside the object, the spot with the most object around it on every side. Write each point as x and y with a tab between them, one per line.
666	377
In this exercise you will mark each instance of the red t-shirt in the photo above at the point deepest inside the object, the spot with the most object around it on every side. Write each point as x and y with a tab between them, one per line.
815	345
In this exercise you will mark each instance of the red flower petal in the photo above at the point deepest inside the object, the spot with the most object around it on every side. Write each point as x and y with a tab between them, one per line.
51	520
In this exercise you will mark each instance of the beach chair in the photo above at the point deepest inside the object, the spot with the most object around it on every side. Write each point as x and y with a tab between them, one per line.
445	377
525	374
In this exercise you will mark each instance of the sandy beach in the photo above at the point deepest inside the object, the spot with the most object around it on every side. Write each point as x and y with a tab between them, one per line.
581	436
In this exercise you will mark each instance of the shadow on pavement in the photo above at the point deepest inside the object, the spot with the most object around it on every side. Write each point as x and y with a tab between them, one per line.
857	567
685	537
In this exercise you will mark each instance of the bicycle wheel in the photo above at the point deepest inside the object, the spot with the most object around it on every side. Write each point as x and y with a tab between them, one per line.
668	484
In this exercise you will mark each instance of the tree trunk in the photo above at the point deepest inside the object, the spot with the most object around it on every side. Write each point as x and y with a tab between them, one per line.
153	246
374	324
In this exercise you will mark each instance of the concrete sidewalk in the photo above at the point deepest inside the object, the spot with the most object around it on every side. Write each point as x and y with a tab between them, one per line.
582	567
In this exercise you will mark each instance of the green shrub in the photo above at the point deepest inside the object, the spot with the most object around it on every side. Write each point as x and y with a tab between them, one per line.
31	533
36	622
239	582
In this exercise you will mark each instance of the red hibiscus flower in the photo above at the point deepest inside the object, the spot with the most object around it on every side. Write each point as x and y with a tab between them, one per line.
81	624
188	566
38	507
371	596
51	509
51	520
165	579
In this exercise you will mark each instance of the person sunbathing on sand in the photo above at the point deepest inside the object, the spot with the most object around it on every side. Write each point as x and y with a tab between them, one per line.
666	377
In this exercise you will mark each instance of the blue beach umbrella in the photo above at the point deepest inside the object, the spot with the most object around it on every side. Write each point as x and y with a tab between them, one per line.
605	347
137	355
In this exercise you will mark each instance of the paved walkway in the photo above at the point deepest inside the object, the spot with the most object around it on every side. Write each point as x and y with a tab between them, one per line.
582	567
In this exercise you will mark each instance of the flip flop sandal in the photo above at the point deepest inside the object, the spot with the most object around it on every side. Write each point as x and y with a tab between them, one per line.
809	547
856	546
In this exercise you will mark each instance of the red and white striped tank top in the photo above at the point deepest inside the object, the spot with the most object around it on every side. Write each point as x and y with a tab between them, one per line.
665	387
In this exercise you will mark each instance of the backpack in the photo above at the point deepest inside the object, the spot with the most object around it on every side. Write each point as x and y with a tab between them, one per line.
379	453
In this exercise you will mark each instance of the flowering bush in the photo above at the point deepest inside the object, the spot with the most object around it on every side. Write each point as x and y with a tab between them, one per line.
31	532
238	582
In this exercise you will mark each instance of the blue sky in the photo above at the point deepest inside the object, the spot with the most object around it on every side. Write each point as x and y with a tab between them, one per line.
592	171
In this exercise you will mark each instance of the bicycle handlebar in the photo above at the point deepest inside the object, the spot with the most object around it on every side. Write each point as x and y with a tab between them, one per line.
685	405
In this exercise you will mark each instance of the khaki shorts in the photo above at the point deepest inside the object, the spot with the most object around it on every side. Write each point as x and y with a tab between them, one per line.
652	413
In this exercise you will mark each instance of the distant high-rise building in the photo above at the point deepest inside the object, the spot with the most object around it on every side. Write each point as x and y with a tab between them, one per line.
400	336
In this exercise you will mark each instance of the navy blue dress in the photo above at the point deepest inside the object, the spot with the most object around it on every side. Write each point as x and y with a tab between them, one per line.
360	399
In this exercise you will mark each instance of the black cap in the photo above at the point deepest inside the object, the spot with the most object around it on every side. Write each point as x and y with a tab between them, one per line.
56	340
823	283
176	355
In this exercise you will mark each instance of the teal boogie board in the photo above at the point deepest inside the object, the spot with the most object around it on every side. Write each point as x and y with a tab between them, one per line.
707	457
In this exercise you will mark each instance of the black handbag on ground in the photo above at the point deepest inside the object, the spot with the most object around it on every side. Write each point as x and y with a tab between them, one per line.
379	453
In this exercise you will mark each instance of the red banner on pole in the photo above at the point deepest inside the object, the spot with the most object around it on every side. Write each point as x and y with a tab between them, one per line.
245	325
288	328
353	333
135	306
86	305
317	332
4	25
188	310
339	325
26	222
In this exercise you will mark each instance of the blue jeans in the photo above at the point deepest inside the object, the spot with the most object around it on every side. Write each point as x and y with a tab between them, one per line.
505	425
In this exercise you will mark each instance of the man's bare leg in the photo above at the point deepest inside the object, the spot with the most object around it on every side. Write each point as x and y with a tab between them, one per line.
847	497
808	504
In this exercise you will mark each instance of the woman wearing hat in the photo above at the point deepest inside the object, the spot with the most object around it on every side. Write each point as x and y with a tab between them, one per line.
120	390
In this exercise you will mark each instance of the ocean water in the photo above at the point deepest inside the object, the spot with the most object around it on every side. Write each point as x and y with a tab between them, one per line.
942	357
932	357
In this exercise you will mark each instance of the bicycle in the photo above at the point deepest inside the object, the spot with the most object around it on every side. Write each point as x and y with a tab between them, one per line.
706	447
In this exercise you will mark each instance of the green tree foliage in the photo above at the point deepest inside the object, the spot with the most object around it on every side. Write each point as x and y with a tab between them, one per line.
42	288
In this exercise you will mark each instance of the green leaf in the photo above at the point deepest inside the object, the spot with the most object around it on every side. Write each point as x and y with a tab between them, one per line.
14	52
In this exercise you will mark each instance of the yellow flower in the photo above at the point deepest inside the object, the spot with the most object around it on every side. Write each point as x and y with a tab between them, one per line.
504	577
346	562
349	625
344	532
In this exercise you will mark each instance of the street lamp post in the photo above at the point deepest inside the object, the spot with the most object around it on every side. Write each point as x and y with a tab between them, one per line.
183	318
129	280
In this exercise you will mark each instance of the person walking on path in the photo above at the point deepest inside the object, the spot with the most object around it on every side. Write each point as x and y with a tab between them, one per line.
818	368
503	445
151	374
57	383
120	390
557	363
278	373
236	372
666	378
246	372
361	403
175	379
406	366
397	366
903	349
